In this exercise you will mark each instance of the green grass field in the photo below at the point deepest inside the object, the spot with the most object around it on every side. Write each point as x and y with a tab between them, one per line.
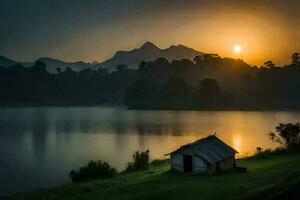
265	179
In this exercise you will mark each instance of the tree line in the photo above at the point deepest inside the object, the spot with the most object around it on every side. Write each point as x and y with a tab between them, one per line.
207	82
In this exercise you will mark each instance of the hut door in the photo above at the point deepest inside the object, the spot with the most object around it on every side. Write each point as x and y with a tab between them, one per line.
218	166
187	163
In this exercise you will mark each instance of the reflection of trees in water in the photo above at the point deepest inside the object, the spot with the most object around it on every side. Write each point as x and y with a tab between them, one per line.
121	122
163	123
63	122
87	126
143	123
66	126
119	127
8	127
141	129
74	120
21	122
11	144
40	127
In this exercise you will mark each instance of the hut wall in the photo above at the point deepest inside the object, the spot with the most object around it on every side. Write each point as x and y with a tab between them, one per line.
227	164
222	166
177	161
211	169
199	166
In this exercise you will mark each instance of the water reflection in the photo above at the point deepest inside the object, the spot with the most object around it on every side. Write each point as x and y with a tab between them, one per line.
43	144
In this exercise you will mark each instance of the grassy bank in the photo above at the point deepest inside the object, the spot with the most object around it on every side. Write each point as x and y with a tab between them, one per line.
266	179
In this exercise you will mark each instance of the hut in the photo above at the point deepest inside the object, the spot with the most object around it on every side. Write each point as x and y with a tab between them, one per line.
205	156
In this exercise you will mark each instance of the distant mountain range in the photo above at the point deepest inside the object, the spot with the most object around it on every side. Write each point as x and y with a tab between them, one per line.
149	52
132	58
52	64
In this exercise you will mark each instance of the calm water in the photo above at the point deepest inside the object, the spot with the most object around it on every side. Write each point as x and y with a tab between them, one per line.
39	146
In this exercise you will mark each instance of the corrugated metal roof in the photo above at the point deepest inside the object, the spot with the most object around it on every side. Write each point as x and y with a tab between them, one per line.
211	149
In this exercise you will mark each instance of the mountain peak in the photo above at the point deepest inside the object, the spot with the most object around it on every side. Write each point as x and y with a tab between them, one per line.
149	52
178	46
149	45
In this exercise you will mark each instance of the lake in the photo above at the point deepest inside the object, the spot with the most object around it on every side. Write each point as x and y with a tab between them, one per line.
40	145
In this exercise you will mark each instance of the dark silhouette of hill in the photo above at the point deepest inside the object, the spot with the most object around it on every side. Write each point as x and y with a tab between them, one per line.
6	62
149	52
54	64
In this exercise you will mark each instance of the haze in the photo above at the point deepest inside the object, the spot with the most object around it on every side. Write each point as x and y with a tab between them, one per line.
93	30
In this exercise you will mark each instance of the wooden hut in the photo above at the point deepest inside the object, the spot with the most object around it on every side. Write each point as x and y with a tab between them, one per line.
205	156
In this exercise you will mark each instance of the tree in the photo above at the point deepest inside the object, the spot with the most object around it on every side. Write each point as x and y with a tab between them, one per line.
142	65
58	70
198	60
209	92
175	91
209	87
93	170
296	58
141	94
206	57
122	68
269	64
288	135
39	66
140	161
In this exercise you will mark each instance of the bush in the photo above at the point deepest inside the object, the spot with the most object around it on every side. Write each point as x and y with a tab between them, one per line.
140	161
269	152
93	170
288	136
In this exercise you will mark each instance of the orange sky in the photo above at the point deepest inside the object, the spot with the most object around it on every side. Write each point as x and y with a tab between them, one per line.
95	30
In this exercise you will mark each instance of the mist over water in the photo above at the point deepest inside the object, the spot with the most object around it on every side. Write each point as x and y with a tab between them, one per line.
43	144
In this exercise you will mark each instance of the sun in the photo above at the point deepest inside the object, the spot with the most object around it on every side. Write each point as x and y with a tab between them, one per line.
237	48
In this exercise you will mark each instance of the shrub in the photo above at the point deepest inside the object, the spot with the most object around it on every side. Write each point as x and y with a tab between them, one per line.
269	152
140	161
287	135
93	170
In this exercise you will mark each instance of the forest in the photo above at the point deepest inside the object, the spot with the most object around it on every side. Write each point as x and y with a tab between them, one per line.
207	82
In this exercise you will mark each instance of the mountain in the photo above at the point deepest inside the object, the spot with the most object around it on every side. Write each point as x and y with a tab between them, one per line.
6	62
53	64
149	52
132	58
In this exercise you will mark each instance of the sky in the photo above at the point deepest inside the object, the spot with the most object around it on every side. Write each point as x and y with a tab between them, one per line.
93	30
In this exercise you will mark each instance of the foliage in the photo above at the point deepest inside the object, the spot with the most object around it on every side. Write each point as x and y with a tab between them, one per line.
269	64
209	92
174	94
296	58
287	135
93	170
209	87
140	161
262	154
142	94
159	84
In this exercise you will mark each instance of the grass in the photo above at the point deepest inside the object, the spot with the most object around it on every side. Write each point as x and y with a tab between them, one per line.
265	179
